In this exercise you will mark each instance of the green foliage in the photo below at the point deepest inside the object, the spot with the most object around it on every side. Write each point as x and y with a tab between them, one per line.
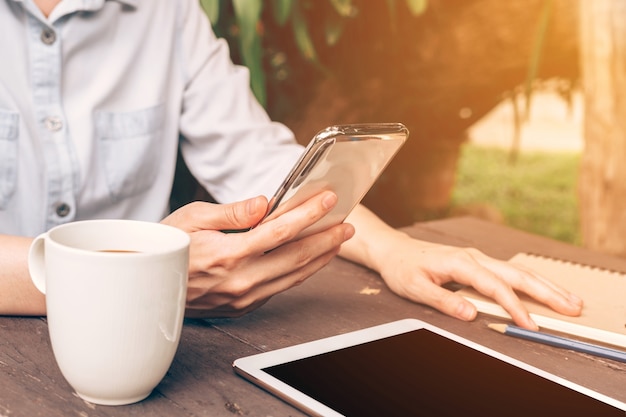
211	8
303	38
537	51
536	194
248	15
282	10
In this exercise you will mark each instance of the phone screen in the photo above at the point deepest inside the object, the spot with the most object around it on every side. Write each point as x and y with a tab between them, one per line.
345	159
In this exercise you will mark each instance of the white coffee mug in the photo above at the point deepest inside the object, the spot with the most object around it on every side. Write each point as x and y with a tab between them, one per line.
115	297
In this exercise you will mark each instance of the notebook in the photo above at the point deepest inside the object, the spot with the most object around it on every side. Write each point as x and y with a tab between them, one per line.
603	317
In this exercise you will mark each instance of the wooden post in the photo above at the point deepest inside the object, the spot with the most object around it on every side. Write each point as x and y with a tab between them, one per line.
602	180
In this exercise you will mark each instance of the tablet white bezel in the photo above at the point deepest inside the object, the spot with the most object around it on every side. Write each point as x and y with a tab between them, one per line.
251	367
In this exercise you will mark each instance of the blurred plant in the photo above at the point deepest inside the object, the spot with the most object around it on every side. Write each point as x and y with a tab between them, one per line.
536	52
532	83
243	20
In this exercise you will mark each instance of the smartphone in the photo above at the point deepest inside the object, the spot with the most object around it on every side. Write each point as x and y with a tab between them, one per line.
346	159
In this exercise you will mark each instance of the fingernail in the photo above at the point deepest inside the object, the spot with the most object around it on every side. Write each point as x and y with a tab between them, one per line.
532	324
577	301
252	206
330	199
465	311
348	233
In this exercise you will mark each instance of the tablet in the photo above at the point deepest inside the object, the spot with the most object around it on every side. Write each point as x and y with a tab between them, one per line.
411	368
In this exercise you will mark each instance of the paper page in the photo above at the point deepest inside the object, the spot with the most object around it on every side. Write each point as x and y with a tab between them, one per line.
604	293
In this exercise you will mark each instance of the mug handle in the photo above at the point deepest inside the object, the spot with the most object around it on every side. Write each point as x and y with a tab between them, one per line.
36	262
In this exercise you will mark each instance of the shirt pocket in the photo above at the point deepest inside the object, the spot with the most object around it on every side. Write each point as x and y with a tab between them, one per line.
129	149
9	132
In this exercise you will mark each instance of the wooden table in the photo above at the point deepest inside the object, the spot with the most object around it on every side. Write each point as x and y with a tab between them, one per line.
201	381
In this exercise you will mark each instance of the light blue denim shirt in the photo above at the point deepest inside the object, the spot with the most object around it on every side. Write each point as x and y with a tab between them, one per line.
92	102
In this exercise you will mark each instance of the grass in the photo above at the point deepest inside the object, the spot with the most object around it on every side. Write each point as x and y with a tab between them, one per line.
536	193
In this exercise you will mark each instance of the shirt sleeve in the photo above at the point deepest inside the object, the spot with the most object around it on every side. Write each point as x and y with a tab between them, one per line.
229	142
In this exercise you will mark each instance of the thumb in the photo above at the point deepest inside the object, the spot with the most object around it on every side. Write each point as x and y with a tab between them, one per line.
241	215
225	217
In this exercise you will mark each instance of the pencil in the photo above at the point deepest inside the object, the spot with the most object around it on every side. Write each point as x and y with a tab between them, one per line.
561	342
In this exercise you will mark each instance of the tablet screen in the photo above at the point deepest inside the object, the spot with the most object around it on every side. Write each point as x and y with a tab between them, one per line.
422	373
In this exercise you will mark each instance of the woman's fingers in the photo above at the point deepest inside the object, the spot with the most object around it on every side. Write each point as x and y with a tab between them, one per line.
274	273
208	216
274	233
527	281
547	292
233	273
431	266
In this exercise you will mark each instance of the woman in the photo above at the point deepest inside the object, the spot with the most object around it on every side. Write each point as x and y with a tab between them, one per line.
92	106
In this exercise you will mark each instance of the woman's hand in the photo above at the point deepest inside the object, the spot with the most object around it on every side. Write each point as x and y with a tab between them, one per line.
417	270
231	274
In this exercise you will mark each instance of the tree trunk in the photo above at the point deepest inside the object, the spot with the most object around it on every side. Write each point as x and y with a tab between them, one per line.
602	181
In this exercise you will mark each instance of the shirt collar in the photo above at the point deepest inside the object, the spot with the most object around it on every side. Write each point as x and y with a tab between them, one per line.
70	6
92	4
131	3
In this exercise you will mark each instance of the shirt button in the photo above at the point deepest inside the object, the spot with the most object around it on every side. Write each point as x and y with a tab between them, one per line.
48	36
53	123
62	210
